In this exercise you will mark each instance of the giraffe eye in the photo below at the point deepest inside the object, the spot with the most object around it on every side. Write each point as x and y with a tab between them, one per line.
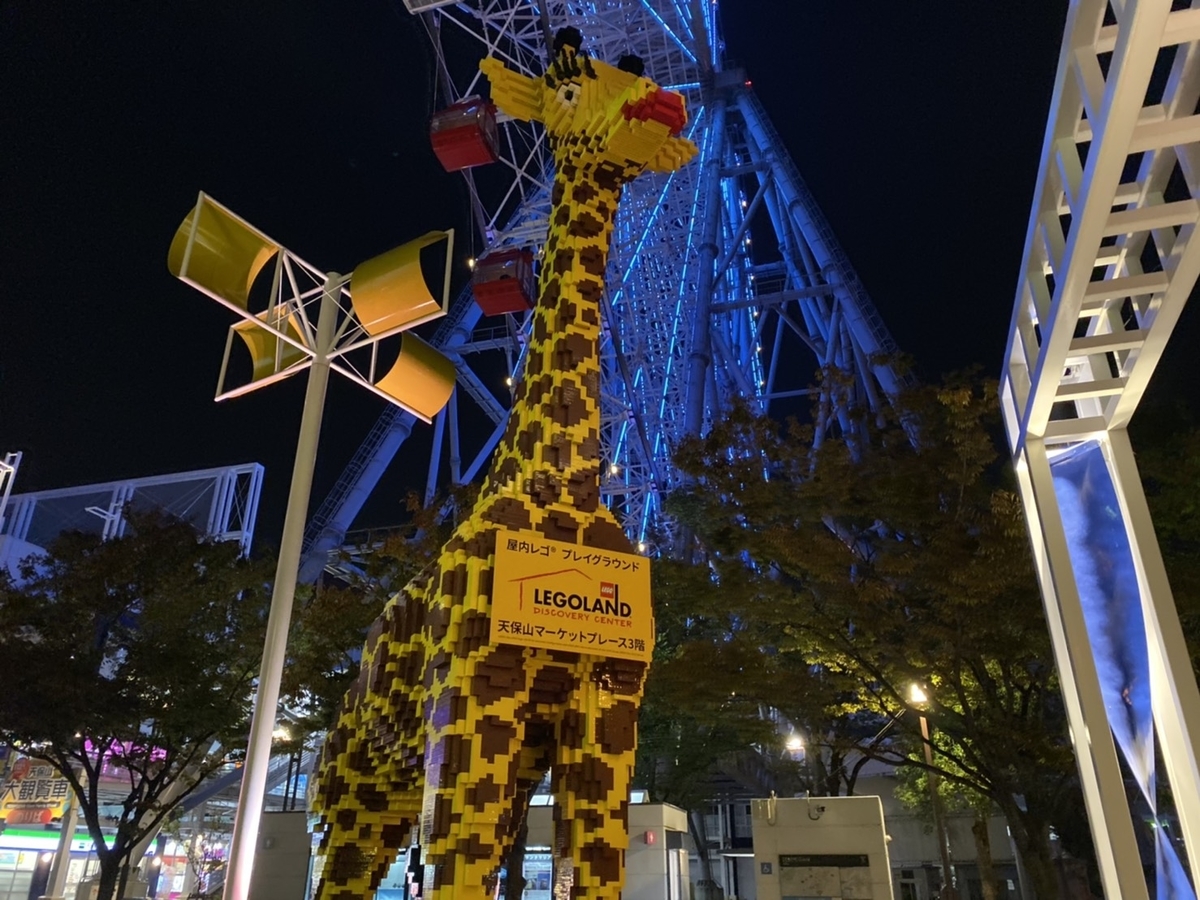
568	94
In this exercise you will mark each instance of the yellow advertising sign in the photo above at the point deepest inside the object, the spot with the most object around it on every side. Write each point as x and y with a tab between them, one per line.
568	597
33	794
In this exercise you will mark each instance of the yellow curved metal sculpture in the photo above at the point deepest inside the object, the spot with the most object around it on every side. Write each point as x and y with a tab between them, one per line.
219	253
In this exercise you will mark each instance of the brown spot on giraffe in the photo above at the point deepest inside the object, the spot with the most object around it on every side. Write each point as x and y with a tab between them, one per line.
593	261
564	259
567	313
560	526
583	487
508	512
572	351
585	225
530	439
583	193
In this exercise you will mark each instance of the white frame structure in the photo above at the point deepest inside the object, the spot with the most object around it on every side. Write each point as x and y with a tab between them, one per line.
8	474
222	502
1110	258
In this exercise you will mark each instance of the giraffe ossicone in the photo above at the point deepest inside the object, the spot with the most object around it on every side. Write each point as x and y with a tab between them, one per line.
447	730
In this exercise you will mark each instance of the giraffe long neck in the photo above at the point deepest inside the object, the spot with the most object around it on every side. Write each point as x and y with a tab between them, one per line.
551	449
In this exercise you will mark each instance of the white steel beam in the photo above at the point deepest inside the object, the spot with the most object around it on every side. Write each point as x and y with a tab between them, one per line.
1108	265
8	474
1100	773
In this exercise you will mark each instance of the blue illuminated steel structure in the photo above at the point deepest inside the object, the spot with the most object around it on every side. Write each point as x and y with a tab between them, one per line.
1111	256
696	316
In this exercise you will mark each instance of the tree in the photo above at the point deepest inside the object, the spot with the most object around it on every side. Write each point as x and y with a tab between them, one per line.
1169	463
330	624
882	562
133	657
703	707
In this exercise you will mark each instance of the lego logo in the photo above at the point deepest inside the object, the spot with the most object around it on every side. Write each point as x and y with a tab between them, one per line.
607	589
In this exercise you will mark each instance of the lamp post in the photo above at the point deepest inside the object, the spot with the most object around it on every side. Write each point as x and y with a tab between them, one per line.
322	322
796	749
919	698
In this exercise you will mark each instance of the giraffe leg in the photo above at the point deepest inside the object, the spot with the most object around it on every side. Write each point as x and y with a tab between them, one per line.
472	778
367	810
357	860
590	778
365	818
368	787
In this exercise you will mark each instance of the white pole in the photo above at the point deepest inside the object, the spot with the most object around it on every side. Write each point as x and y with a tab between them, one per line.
194	853
57	883
948	891
262	723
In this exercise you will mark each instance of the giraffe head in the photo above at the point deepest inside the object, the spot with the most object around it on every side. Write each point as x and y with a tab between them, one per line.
608	116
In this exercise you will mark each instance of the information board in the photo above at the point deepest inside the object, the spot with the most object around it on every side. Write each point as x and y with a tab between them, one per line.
568	597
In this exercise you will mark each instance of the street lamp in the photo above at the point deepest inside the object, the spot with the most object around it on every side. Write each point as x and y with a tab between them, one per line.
796	750
918	698
320	321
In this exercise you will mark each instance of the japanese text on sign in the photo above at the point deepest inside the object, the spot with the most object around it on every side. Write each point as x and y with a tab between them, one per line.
33	794
568	597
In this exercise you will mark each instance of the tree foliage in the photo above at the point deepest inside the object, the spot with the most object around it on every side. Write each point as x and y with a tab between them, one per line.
134	656
1169	464
331	623
879	563
703	705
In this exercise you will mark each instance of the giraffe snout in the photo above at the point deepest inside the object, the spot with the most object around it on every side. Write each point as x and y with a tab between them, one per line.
663	106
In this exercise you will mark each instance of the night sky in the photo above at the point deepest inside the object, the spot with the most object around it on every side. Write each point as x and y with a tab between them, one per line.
918	126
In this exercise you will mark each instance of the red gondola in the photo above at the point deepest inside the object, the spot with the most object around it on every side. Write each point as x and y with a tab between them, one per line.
464	134
503	282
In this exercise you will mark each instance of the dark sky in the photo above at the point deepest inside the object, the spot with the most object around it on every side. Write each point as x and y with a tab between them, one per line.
918	126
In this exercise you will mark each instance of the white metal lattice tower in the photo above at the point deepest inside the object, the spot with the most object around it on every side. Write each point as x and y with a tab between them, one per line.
694	315
8	474
1111	256
221	503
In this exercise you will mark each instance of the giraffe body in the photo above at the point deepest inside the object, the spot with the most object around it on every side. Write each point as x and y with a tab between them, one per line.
444	731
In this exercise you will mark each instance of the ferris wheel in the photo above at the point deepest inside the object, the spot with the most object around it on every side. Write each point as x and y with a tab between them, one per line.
699	312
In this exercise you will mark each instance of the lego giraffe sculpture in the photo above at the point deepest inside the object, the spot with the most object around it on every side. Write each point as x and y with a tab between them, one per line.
445	729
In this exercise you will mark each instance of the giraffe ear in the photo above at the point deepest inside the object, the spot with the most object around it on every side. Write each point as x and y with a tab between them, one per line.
674	154
514	94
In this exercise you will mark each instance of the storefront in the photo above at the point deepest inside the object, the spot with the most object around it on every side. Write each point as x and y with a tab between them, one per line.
26	855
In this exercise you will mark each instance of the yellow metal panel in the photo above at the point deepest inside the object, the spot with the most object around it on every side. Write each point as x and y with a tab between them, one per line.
226	256
389	290
262	345
422	378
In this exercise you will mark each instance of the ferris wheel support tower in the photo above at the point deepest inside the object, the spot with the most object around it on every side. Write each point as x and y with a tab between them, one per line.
696	317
